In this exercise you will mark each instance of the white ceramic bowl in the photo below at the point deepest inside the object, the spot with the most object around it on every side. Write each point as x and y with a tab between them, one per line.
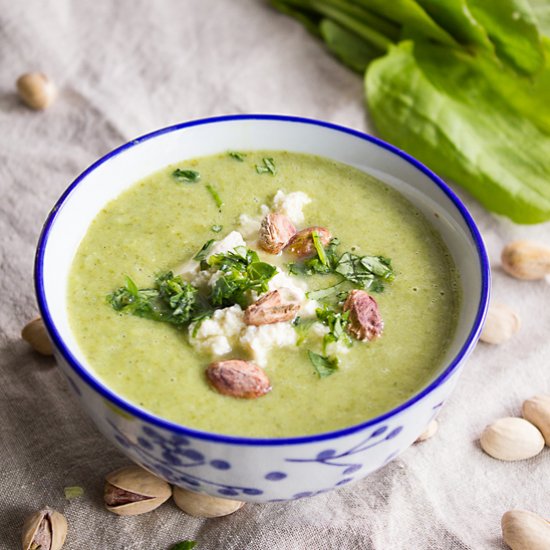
257	470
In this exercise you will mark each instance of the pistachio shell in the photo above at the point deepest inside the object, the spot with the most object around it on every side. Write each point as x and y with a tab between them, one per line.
133	479
523	530
57	525
501	324
36	335
537	411
430	431
36	90
512	439
526	260
204	506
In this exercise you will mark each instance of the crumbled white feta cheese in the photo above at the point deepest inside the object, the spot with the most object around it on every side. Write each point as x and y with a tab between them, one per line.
291	204
258	341
219	334
229	242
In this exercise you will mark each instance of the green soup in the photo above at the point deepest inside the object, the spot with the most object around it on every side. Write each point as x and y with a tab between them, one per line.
160	223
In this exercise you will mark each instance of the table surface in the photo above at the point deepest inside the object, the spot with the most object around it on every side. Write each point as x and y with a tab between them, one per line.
126	68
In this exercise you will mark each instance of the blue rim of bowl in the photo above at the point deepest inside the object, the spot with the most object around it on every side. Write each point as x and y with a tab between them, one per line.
251	441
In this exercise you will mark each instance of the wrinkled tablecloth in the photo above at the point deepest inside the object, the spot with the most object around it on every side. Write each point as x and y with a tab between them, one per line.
128	67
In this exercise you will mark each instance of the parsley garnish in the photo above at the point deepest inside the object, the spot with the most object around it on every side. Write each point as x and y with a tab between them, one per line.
184	545
302	327
73	491
215	195
237	156
268	167
186	176
337	323
216	228
324	366
171	300
242	271
367	272
203	252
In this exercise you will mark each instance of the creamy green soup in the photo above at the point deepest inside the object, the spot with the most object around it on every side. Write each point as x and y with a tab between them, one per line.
160	223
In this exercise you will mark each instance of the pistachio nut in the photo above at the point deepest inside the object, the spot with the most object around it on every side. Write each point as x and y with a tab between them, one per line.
537	411
501	324
238	378
44	530
526	260
36	90
132	490
524	530
204	506
35	334
511	439
430	431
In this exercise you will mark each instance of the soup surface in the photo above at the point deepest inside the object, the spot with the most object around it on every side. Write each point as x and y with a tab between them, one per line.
160	223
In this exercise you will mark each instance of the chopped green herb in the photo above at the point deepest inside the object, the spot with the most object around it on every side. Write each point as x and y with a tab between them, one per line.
73	492
337	323
215	195
302	327
328	292
319	248
216	228
242	271
268	167
184	545
365	271
186	176
237	156
201	254
170	301
324	366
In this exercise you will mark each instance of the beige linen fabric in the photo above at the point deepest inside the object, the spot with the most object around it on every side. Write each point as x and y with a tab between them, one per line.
128	67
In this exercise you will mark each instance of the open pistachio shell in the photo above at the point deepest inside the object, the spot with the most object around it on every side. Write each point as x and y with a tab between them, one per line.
46	530
133	490
204	506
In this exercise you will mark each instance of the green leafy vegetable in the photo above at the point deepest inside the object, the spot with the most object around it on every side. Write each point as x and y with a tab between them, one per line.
242	271
170	301
368	272
73	491
268	167
337	323
203	252
324	366
237	156
215	195
355	52
463	85
320	249
216	228
302	327
184	545
476	137
186	176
